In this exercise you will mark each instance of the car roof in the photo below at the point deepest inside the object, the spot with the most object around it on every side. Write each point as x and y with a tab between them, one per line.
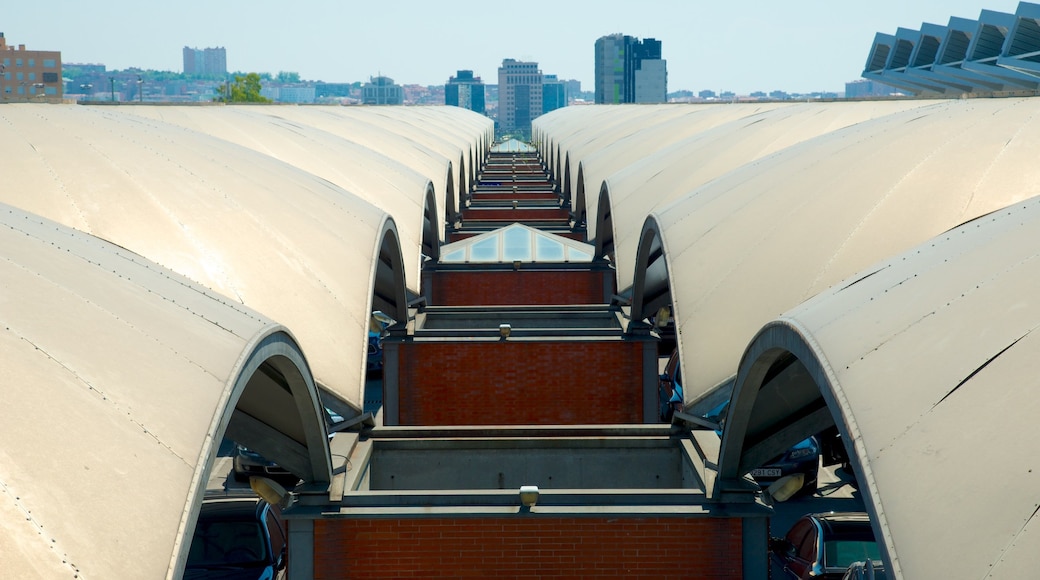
843	523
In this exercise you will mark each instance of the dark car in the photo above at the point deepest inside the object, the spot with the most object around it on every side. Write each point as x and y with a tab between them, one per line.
238	536
803	458
247	463
377	330
824	545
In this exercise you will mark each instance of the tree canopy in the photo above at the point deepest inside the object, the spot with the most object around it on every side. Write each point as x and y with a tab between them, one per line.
244	89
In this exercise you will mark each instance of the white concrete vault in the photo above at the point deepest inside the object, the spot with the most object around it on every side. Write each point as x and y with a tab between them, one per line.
121	379
770	234
264	233
926	363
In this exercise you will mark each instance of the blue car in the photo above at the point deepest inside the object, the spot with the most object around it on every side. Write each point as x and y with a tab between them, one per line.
802	458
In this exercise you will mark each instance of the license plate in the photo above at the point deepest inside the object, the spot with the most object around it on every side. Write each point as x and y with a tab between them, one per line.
766	472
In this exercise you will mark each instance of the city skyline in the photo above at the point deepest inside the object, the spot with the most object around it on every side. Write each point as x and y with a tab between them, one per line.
809	46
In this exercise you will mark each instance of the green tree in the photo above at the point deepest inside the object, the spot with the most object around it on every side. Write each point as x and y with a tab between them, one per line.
245	89
288	77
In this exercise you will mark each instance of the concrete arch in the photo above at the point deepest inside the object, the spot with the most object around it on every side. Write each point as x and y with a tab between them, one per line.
451	206
604	225
785	391
578	204
567	182
388	286
431	229
652	287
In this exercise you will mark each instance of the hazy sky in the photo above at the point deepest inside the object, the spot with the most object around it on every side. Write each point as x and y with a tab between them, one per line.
742	46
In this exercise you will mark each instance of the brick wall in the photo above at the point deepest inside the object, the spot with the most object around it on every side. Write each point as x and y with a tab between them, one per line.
520	383
513	215
523	287
654	548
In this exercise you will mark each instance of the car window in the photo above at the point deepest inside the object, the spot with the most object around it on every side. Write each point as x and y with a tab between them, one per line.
227	542
842	553
802	533
274	528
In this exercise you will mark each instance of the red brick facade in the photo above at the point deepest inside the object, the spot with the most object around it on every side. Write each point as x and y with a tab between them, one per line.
522	287
521	383
654	548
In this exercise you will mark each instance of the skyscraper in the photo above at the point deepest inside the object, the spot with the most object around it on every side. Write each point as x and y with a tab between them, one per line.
466	91
519	95
205	62
554	93
629	70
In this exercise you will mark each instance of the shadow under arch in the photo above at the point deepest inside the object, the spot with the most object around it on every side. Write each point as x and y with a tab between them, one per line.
785	391
389	292
567	182
651	286
451	207
578	211
431	232
604	225
463	183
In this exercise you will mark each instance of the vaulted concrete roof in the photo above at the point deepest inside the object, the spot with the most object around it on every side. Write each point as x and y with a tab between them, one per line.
760	239
313	146
633	190
926	361
267	234
120	377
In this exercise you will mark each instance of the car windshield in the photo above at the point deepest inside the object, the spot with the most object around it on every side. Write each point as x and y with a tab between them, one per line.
842	553
227	543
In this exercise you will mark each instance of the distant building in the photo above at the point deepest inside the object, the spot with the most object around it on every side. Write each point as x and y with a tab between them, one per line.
629	70
293	93
206	62
28	74
519	95
867	88
466	91
554	93
382	91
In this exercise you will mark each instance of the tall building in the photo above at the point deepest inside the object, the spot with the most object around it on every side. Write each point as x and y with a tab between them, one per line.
205	62
466	91
382	91
554	93
519	95
29	74
629	70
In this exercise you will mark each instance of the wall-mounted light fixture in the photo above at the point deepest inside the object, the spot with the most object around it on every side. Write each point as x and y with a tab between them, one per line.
529	495
504	330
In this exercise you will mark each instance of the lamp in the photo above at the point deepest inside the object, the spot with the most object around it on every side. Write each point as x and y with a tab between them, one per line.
529	495
504	330
270	490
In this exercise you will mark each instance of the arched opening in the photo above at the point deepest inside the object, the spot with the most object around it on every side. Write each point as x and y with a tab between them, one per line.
431	238
451	210
604	225
389	293
651	288
783	393
463	184
578	211
274	409
567	182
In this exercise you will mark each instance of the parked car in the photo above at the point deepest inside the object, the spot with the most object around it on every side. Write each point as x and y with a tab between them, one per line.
377	326
824	545
802	458
248	462
237	537
867	570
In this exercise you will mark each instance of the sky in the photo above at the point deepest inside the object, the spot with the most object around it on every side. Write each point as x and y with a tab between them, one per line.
798	46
